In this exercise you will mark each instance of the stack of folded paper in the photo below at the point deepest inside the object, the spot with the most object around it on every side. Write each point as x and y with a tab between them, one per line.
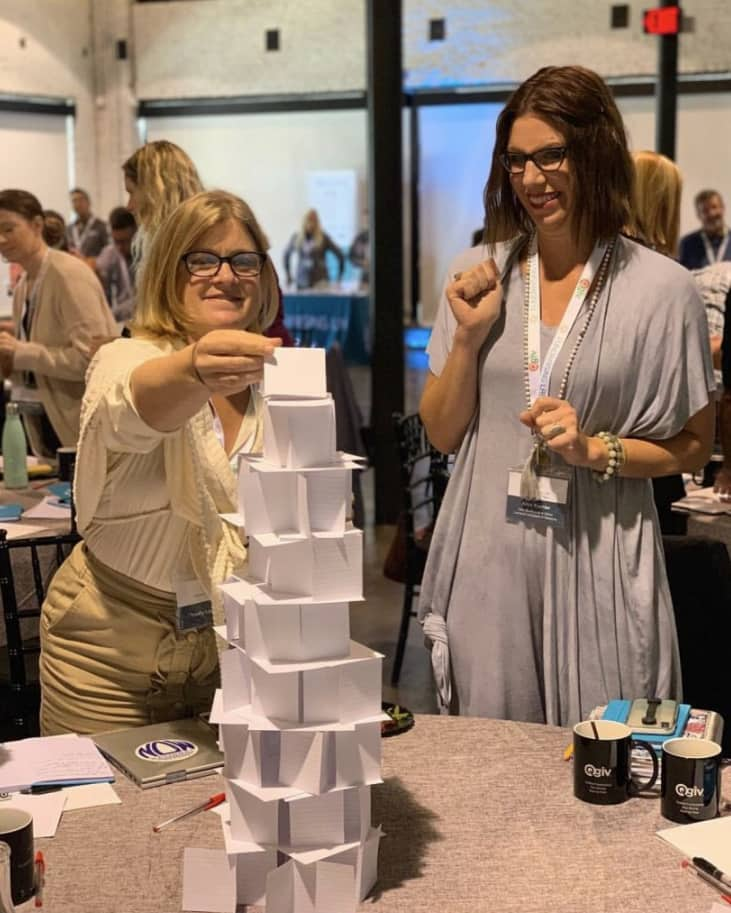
300	705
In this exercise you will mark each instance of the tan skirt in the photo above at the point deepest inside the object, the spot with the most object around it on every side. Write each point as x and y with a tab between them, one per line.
111	656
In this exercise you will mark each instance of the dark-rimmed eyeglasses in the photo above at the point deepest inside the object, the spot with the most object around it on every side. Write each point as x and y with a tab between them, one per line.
548	159
245	264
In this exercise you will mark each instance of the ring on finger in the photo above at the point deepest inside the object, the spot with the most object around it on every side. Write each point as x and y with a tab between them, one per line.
554	431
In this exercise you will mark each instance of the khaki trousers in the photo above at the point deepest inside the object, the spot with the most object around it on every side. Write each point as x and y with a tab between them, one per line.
111	656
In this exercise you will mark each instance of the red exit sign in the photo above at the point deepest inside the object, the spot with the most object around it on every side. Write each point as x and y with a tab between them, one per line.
665	20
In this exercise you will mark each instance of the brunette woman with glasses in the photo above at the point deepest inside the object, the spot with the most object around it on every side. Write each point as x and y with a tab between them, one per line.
164	415
567	371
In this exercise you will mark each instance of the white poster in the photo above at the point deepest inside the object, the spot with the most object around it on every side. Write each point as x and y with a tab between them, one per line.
334	194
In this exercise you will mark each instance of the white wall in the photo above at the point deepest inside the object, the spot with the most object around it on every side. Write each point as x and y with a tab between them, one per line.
264	158
217	47
456	147
35	157
45	49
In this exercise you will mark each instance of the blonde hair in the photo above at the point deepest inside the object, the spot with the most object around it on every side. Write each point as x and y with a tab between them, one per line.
165	176
160	311
317	232
656	201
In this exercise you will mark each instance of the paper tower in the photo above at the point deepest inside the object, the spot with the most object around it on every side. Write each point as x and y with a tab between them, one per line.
299	709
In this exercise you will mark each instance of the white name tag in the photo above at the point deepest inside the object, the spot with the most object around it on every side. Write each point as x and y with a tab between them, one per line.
551	505
194	608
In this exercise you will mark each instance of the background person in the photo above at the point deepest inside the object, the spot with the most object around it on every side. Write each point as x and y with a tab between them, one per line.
54	230
116	266
164	413
311	244
712	243
655	222
58	306
86	235
528	620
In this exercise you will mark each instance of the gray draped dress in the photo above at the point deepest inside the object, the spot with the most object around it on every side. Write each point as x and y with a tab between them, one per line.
539	623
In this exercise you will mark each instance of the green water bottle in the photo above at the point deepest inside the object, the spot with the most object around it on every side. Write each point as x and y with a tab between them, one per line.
15	466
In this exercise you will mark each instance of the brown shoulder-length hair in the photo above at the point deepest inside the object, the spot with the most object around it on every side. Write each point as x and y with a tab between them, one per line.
160	311
578	103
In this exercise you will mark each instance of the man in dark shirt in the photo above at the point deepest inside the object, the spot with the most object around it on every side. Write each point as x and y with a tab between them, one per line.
86	235
712	242
722	482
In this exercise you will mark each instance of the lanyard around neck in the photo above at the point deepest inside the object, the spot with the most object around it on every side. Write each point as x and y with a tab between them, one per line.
31	300
539	377
717	255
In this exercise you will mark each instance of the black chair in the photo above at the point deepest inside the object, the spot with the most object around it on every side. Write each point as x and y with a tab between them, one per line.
424	477
699	573
36	560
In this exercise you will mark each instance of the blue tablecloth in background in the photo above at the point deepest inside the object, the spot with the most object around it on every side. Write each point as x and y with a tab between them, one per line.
320	319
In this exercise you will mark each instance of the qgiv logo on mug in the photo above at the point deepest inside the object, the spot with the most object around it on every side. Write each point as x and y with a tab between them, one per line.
602	762
691	780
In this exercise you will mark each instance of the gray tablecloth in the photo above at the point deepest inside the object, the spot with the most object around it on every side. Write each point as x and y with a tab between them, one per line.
479	817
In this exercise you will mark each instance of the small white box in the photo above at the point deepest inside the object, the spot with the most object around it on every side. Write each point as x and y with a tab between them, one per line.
295	373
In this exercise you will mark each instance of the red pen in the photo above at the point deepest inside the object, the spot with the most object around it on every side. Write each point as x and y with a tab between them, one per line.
203	807
40	864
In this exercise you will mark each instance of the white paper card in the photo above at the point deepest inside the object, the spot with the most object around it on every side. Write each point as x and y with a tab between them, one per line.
710	840
299	434
235	679
294	372
294	632
89	796
209	881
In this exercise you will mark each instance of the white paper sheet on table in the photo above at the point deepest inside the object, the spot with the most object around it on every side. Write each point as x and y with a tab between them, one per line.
209	881
89	795
18	530
710	840
48	509
45	809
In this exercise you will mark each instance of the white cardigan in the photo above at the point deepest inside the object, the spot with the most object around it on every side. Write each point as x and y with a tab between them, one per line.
148	502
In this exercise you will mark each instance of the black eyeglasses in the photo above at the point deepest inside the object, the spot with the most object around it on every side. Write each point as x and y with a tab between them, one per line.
548	159
245	264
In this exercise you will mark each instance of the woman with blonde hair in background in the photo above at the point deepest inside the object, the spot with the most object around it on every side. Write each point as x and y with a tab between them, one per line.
311	243
655	222
655	218
126	632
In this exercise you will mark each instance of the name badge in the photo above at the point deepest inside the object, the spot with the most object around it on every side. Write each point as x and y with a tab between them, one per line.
194	609
551	505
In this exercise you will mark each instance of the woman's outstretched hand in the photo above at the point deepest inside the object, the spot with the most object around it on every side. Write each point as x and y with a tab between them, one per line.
228	361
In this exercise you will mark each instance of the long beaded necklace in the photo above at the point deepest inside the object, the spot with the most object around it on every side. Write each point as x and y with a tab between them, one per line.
539	455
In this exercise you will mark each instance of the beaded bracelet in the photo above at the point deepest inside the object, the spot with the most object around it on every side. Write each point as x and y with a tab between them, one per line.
615	451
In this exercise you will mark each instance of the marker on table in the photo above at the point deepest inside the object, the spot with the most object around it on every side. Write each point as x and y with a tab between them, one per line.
710	869
40	864
203	807
703	869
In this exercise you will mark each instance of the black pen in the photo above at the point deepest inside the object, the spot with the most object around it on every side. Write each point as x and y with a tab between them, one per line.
39	789
710	869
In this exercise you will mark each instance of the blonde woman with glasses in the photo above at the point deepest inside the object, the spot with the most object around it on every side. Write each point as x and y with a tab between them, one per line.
126	629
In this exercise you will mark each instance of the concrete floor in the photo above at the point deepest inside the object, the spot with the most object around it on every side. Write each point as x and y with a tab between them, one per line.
375	622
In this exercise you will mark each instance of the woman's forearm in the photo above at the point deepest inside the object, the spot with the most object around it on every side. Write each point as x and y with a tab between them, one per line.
688	451
449	401
166	391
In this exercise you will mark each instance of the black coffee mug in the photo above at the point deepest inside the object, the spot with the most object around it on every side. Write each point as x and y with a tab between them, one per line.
603	761
691	780
66	457
16	830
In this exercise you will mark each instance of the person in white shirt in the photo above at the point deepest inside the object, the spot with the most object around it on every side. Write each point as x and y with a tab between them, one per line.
126	634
